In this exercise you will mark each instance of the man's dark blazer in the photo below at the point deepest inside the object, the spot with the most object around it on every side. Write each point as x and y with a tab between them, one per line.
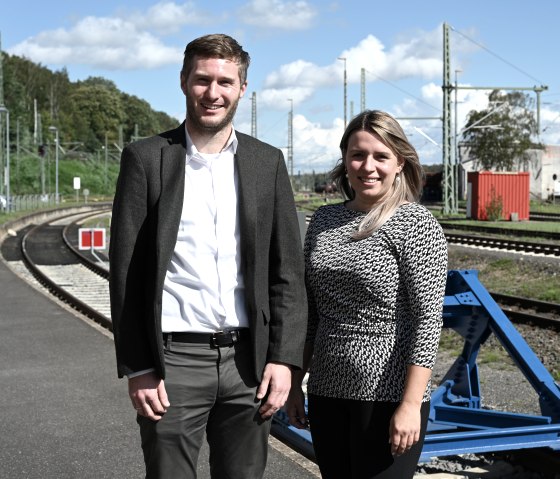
146	214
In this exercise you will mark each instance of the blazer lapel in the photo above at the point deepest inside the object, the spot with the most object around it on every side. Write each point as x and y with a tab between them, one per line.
170	205
246	164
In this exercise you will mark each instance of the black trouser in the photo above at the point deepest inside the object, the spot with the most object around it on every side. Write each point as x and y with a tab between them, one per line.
351	439
212	390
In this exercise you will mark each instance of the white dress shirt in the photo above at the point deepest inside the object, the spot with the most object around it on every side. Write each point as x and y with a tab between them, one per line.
203	289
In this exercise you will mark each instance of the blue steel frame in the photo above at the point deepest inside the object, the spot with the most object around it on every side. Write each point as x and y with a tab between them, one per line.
458	423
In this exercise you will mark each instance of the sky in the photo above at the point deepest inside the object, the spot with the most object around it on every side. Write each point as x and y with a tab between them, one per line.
300	51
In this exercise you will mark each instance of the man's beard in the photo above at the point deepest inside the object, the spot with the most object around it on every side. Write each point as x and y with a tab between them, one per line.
205	127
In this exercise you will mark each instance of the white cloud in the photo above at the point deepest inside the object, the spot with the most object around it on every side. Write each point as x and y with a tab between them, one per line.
432	93
550	126
278	97
169	17
122	42
420	57
278	14
316	147
299	73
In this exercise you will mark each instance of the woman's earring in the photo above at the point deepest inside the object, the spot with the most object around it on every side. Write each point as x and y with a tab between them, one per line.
397	179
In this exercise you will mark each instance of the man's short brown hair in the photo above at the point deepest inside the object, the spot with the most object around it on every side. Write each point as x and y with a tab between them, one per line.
216	45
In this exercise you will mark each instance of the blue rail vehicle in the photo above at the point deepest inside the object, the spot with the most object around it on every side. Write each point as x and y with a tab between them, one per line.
458	421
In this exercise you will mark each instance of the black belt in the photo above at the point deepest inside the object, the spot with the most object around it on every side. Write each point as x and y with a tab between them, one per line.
216	340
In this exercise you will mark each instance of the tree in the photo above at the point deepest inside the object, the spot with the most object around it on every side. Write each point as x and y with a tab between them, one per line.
97	110
501	135
84	112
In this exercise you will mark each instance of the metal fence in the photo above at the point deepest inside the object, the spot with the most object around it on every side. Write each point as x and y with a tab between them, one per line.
27	202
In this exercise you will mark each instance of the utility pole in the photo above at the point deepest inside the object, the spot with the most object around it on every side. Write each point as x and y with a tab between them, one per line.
1	74
106	161
448	177
345	90
291	140
455	156
35	123
121	138
363	90
40	140
57	146
254	115
17	154
1	123
450	168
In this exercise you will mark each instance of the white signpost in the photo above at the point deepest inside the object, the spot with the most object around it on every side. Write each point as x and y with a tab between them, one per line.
77	187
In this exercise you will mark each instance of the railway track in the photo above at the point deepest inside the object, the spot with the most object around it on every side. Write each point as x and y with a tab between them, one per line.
50	252
540	216
529	311
89	286
500	231
504	243
533	215
64	271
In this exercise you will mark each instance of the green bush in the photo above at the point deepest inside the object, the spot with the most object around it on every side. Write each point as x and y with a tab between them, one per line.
495	207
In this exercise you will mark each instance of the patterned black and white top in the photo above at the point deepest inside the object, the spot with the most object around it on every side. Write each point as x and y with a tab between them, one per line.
375	305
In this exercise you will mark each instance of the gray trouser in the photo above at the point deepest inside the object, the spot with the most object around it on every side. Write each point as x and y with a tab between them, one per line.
212	390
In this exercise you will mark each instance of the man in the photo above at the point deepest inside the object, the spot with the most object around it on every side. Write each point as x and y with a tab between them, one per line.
207	295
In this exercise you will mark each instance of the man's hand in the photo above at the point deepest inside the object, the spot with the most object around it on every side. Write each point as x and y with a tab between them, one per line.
148	396
275	386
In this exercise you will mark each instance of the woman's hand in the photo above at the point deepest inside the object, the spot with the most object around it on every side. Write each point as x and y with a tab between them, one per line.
404	429
295	407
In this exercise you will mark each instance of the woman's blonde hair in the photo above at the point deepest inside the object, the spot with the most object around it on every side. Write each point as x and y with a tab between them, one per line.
407	186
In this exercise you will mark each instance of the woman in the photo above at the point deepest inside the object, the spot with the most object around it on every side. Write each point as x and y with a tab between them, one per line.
376	267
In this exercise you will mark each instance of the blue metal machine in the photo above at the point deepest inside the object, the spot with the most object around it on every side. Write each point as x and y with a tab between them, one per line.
458	422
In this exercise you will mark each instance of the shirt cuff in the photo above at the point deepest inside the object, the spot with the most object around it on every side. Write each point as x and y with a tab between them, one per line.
139	373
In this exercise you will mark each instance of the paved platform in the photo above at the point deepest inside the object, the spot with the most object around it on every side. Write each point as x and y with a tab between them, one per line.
64	414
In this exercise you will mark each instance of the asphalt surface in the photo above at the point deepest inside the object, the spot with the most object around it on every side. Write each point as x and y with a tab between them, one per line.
64	413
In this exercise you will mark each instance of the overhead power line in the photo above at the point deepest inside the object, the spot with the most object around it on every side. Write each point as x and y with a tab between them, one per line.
402	90
496	55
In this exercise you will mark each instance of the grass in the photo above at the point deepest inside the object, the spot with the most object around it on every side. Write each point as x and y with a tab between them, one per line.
540	281
540	207
98	222
491	352
451	342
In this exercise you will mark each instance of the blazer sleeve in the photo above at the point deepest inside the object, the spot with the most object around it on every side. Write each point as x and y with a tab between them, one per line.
287	299
127	255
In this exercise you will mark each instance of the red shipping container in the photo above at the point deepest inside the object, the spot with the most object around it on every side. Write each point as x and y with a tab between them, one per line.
488	190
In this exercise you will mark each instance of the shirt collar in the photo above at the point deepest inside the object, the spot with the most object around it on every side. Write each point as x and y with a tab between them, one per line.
193	153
